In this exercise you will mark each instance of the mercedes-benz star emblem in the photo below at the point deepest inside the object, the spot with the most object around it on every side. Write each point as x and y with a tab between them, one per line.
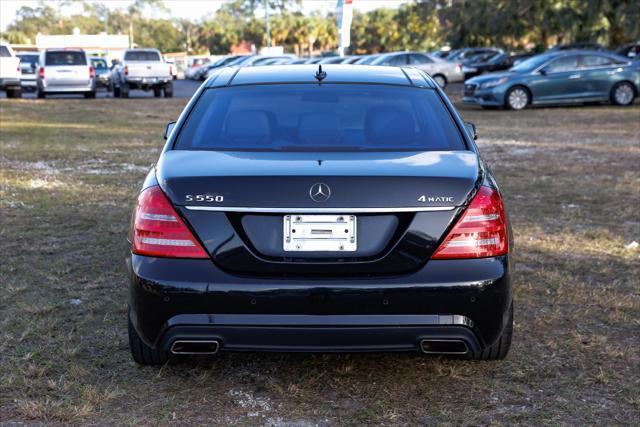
320	192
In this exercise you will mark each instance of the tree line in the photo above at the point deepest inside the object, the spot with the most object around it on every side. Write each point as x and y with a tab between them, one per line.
415	25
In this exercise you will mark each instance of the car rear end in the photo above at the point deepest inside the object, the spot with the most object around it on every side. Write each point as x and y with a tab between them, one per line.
65	71
28	66
102	72
10	72
351	215
146	68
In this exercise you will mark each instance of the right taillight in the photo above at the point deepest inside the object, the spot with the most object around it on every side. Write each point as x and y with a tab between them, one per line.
159	231
126	70
41	72
481	231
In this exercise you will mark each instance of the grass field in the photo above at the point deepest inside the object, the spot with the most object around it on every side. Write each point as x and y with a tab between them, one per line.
69	172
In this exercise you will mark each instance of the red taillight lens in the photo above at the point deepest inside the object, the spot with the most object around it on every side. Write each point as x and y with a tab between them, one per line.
481	231
126	70
159	231
458	68
92	72
41	72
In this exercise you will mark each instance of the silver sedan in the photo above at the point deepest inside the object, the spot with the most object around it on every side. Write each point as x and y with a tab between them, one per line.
443	72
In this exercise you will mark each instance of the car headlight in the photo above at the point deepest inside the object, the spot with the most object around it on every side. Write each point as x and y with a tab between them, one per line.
493	83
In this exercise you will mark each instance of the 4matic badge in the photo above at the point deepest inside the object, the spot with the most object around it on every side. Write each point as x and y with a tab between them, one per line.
435	199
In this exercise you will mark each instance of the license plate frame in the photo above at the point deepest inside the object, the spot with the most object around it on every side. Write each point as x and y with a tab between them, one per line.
320	233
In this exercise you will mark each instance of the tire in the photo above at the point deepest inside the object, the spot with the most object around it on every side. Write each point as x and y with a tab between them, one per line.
622	93
441	80
90	95
499	349
157	92
143	354
168	90
9	92
517	98
40	94
116	91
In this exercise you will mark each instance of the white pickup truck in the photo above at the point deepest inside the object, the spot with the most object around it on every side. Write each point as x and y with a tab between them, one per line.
10	72
142	69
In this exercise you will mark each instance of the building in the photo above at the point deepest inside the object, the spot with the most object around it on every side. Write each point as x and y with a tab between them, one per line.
111	46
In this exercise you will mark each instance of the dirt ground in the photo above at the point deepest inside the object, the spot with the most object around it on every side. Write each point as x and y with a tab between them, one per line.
69	172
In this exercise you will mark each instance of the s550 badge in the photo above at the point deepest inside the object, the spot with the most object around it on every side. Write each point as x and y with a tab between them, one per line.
435	199
204	198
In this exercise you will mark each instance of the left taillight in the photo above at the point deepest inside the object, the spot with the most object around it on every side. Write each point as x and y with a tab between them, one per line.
481	232
41	72
92	72
159	231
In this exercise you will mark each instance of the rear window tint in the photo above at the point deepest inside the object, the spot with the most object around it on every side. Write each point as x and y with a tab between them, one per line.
99	64
311	117
4	52
28	59
65	58
141	56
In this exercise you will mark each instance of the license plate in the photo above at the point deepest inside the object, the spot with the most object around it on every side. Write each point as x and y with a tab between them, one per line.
320	233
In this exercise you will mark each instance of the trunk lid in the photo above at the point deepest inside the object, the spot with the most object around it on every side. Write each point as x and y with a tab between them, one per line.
236	203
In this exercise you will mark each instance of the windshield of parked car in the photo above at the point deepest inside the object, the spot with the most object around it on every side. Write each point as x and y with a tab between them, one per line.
311	117
99	64
142	55
65	58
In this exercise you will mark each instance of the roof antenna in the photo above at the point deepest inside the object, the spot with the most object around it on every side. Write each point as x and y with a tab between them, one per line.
320	75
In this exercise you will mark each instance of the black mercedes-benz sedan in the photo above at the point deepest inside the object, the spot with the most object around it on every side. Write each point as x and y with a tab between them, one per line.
310	208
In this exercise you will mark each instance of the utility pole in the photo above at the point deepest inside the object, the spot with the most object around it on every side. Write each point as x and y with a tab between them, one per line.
266	19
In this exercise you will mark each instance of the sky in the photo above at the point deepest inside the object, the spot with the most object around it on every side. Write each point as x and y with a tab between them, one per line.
192	9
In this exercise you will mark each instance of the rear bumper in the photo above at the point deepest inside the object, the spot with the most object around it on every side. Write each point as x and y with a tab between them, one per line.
465	300
9	82
75	88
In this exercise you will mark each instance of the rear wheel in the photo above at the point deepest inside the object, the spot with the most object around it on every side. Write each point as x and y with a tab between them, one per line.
116	91
622	93
124	90
441	80
157	92
90	95
517	98
143	354
500	348
40	93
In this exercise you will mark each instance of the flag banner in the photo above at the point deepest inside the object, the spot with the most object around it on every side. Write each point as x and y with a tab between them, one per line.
344	14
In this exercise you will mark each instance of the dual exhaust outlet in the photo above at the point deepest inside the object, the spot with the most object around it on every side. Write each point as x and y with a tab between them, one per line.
427	346
195	347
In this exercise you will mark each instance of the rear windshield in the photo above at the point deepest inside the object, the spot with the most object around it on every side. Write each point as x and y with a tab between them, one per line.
28	59
65	58
99	64
4	52
311	117
142	56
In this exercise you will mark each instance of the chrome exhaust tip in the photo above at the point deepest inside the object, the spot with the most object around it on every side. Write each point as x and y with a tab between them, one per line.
444	346
195	347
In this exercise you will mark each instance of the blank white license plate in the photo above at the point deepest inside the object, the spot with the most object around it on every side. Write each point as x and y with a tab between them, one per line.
320	233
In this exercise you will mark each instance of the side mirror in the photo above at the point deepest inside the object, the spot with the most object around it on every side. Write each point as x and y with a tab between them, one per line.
471	128
168	129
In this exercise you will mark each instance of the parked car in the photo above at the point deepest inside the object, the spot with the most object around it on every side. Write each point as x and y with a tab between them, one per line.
631	50
172	67
142	69
195	65
261	59
10	72
28	68
578	46
464	54
492	62
332	60
102	72
441	71
366	59
65	71
204	71
560	77
395	240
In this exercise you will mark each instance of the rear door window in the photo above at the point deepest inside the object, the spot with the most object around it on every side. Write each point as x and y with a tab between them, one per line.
397	60
65	58
589	61
311	117
416	59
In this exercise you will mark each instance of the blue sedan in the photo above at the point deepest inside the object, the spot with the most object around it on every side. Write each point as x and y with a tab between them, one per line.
564	77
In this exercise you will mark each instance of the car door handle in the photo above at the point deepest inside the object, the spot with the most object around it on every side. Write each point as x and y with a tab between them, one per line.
574	76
